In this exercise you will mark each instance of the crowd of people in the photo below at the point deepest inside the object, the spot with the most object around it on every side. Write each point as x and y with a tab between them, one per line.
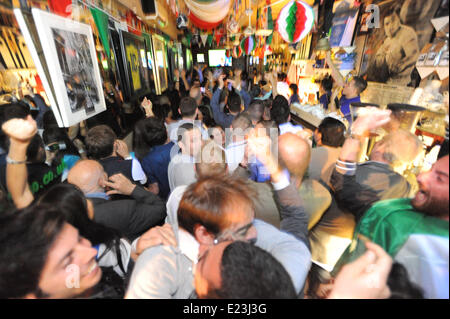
218	194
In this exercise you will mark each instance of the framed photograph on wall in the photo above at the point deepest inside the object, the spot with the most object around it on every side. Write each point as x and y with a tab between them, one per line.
161	65
135	61
31	37
71	58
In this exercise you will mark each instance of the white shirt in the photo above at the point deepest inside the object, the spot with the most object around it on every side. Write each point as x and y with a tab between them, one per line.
283	89
234	154
181	171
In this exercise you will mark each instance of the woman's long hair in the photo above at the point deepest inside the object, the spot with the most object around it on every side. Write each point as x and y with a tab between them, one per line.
72	203
55	134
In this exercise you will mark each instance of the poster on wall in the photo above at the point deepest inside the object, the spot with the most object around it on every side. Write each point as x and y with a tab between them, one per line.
344	22
159	50
392	49
70	54
135	62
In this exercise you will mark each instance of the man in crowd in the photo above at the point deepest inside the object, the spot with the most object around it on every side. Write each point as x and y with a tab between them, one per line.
42	256
361	186
102	145
239	270
219	208
235	150
181	167
256	111
281	113
234	105
189	111
351	90
132	217
413	231
329	137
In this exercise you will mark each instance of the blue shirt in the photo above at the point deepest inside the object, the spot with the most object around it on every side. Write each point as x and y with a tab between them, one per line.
294	99
156	164
258	172
220	117
325	99
345	106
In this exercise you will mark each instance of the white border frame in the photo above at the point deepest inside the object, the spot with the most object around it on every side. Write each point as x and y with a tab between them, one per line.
37	62
44	23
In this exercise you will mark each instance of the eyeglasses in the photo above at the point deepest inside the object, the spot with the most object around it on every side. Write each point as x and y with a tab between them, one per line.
55	147
239	234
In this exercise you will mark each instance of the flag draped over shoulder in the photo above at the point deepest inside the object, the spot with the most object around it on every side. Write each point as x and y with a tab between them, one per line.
418	241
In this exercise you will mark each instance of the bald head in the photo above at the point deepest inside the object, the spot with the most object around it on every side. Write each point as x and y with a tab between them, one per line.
397	149
88	175
294	153
196	94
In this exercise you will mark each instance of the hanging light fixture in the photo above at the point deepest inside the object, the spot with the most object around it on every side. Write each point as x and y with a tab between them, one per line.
267	29
249	30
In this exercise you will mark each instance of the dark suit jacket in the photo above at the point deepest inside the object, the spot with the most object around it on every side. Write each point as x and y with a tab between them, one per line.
132	217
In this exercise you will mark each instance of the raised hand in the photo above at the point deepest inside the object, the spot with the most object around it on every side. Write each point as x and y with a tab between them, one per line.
366	277
220	80
148	107
121	148
370	118
20	130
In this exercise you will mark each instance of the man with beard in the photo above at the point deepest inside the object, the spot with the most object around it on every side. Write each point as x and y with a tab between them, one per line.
414	232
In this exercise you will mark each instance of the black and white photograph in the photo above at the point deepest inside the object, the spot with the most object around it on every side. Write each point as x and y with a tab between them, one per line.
393	48
70	54
76	66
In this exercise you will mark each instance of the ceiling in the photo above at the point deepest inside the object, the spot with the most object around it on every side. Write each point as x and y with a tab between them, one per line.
241	17
276	8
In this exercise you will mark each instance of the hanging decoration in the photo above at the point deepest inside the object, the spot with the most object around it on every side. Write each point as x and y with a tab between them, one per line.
265	20
237	52
233	26
218	36
208	15
202	24
101	21
295	21
204	37
209	40
248	44
182	22
61	7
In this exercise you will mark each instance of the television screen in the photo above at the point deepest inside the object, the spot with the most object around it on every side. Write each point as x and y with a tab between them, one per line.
200	58
218	58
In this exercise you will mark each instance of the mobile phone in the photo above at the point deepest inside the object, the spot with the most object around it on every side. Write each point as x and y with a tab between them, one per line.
230	85
202	89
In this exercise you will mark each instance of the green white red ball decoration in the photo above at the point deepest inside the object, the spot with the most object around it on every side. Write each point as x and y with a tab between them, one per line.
295	21
237	52
247	45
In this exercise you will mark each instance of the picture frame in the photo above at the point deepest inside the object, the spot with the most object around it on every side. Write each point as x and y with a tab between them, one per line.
71	57
28	28
161	64
135	60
